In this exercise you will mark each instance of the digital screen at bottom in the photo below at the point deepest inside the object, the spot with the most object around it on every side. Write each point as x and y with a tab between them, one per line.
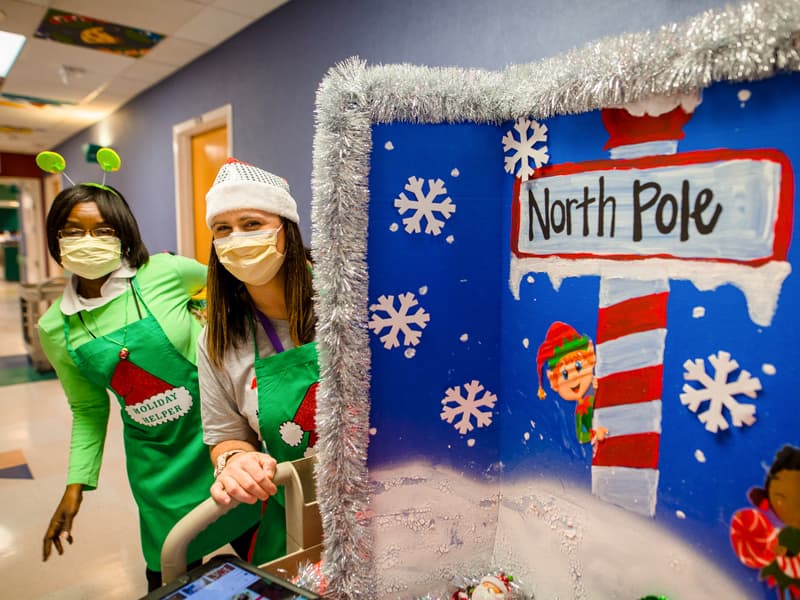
233	583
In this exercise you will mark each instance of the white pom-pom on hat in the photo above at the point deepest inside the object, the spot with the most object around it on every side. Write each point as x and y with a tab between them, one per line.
241	185
291	433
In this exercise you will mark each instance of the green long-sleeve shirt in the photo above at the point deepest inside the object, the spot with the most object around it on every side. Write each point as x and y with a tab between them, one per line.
167	283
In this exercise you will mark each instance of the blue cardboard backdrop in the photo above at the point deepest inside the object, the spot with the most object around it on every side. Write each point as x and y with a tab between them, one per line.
478	330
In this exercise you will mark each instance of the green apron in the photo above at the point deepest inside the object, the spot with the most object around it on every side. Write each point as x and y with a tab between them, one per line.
287	403
168	465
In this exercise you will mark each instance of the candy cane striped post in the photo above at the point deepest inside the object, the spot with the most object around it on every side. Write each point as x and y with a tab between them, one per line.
631	332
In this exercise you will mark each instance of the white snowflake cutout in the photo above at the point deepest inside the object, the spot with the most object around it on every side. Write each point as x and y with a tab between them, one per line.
719	392
525	150
468	407
398	320
424	205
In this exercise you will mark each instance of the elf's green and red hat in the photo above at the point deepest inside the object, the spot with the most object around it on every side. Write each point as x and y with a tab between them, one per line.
560	340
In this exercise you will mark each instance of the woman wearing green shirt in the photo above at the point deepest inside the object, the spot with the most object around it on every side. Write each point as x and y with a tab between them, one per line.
123	324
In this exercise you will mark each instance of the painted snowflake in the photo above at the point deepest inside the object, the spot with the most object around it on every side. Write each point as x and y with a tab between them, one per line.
719	392
398	320
425	205
525	150
456	405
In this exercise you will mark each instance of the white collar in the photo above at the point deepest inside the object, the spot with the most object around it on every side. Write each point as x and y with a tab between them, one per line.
114	286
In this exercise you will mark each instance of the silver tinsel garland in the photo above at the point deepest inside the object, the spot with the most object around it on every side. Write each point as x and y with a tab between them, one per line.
746	42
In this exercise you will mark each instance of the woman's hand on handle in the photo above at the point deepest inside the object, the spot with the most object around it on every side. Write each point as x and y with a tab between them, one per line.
60	527
247	477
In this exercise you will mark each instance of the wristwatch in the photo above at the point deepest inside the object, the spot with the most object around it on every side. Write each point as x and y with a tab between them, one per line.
222	460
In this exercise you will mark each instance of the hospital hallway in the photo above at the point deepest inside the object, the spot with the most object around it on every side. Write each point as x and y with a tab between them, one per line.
105	559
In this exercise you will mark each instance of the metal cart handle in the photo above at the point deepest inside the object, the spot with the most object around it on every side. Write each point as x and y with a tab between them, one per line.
173	552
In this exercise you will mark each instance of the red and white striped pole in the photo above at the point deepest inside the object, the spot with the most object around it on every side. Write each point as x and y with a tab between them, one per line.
631	332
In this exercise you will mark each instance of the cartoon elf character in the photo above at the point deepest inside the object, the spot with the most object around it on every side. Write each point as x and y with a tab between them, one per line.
570	360
757	542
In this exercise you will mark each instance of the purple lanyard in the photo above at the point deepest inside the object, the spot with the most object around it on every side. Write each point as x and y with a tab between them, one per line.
269	329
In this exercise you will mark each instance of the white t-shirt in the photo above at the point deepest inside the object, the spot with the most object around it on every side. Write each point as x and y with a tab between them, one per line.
228	395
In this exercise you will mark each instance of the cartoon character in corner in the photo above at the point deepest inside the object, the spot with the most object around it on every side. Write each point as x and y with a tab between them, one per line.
570	359
756	540
490	587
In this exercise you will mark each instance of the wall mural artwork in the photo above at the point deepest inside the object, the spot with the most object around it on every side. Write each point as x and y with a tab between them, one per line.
650	215
556	311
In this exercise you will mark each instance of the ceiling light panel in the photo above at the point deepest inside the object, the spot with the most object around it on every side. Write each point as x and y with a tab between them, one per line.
10	46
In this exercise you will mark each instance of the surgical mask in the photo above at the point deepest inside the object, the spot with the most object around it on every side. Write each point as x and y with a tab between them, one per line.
91	257
251	256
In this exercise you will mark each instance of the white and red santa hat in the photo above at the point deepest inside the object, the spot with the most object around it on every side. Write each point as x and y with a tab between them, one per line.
242	185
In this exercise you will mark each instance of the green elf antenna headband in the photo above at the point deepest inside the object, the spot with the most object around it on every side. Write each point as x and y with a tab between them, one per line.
109	161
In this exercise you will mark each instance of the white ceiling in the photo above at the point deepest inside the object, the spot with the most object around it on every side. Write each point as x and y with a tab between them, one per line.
107	80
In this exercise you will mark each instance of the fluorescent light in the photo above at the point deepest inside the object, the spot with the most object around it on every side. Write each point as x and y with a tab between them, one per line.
10	45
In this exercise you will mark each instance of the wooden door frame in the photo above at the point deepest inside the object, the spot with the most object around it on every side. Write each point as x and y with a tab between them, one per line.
52	184
182	134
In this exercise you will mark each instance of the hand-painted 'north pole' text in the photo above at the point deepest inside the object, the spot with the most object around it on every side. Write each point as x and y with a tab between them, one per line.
718	209
649	202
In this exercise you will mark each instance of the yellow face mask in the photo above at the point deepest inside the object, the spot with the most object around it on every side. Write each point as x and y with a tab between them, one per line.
91	257
252	256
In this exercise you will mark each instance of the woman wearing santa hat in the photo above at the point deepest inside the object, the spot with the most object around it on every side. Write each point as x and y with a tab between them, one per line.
124	324
257	359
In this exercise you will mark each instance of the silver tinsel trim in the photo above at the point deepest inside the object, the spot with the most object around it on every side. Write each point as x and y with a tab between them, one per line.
747	42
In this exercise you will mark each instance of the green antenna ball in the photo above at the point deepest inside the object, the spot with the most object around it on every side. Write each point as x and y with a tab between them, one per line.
51	162
108	159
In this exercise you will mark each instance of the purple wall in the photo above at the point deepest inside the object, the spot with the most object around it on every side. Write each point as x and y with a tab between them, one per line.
270	73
